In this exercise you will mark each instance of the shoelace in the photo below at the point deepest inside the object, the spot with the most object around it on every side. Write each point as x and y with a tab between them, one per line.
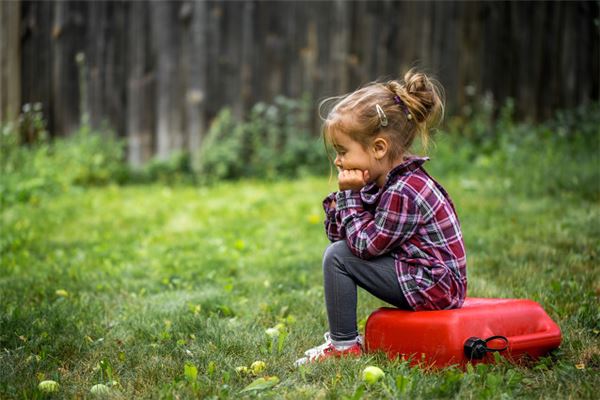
319	349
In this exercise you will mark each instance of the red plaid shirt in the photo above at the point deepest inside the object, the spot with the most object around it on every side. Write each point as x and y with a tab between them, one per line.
413	219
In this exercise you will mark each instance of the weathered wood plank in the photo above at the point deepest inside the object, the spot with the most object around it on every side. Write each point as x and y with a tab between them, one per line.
10	60
196	73
140	83
168	113
158	75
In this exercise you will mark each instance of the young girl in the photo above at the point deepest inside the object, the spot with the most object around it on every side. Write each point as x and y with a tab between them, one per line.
393	228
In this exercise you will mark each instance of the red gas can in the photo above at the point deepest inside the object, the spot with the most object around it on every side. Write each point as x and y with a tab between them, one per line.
517	328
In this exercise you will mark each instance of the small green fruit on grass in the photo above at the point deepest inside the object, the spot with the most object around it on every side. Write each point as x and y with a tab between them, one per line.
100	390
372	374
257	367
242	370
48	386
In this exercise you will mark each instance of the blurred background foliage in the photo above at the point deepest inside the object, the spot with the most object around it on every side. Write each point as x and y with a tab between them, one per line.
274	141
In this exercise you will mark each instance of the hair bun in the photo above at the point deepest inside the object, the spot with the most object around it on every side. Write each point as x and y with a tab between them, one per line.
424	97
416	82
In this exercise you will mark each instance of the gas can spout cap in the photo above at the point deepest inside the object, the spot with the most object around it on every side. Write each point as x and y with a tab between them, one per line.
476	348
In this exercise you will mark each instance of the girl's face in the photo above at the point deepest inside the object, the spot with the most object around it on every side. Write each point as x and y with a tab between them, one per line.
350	154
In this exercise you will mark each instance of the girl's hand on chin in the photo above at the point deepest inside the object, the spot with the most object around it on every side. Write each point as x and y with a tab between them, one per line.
352	179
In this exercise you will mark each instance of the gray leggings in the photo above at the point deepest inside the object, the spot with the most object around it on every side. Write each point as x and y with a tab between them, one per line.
342	272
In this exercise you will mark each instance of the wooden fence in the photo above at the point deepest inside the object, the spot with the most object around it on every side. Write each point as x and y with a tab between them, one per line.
157	72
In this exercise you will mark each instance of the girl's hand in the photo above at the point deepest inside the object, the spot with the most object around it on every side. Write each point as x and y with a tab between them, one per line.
353	179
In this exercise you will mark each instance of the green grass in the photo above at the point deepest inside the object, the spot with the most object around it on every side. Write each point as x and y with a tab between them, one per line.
159	277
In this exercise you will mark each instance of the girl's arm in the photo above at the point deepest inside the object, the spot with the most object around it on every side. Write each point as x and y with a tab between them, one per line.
332	219
370	235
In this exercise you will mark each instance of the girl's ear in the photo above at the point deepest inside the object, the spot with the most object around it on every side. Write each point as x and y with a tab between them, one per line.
380	148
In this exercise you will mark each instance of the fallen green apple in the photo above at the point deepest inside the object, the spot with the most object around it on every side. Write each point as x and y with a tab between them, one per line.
257	367
48	386
242	370
372	374
100	390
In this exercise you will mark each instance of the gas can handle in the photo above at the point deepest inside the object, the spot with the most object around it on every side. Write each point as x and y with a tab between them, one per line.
476	348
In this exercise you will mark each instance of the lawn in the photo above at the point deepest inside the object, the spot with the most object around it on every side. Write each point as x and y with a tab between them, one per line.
165	291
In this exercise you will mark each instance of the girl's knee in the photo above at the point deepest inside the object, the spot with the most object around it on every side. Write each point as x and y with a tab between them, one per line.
334	252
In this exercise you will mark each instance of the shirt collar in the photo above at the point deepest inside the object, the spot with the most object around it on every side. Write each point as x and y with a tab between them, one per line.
371	192
410	164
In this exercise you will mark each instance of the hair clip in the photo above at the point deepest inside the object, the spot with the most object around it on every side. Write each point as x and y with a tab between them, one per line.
383	121
399	101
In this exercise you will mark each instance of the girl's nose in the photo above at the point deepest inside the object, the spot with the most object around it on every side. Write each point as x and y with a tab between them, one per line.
337	162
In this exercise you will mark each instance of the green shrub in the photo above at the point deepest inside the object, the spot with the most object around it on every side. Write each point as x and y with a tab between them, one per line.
558	156
553	157
176	168
281	141
28	172
221	155
90	157
274	141
32	125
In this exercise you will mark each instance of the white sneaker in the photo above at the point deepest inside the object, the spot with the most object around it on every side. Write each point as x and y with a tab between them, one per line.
327	350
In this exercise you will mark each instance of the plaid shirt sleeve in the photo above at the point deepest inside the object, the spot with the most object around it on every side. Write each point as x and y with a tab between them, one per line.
332	219
369	235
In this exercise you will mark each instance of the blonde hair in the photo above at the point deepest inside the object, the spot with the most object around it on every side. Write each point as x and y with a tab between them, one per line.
411	107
